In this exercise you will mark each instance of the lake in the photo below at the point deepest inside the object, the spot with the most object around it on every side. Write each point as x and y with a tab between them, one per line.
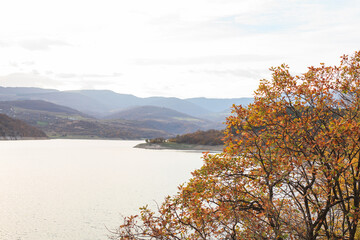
75	189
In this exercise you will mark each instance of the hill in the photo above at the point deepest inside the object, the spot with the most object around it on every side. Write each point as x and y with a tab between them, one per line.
99	103
219	104
65	111
210	140
41	114
76	101
64	122
17	129
38	105
113	101
162	118
211	137
102	129
151	113
22	91
180	105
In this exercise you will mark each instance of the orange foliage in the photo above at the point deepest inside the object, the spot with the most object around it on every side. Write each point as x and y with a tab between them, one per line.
290	169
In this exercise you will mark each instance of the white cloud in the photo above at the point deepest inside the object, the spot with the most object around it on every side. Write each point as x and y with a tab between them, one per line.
241	73
41	44
220	59
31	79
82	76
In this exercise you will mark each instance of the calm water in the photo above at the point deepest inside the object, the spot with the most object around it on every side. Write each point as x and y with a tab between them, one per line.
75	189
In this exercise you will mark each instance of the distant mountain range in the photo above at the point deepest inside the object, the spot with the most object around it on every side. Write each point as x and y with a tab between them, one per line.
38	105
152	113
100	103
104	113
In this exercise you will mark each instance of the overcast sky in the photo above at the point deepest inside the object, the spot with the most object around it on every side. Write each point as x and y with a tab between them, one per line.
182	48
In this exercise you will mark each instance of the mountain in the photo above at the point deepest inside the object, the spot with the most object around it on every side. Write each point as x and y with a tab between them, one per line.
61	121
219	104
38	105
100	103
180	105
19	91
151	112
39	112
17	129
161	118
113	101
76	101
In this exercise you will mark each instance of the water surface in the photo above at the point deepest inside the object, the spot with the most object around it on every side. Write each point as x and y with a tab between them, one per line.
75	189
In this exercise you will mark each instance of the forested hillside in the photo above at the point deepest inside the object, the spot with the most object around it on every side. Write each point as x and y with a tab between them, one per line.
17	129
211	137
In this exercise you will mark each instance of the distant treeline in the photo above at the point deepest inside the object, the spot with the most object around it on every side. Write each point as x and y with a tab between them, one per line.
210	137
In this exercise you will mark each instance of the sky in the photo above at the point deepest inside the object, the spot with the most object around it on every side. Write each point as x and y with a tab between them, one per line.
182	48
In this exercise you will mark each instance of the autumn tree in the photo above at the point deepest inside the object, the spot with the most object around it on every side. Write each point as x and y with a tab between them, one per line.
290	169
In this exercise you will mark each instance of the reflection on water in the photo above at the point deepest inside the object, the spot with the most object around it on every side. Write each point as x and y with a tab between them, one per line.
74	189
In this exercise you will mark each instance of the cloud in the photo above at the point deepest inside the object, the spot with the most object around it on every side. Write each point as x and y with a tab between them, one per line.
23	63
246	73
206	60
73	75
67	75
28	63
41	44
32	79
3	44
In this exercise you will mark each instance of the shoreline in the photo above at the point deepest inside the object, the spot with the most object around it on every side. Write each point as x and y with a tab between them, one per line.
180	146
12	138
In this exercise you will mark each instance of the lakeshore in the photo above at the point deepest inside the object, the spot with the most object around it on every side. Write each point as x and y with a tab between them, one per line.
180	146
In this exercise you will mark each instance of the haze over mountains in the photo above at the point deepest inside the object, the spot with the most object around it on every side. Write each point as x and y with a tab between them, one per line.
104	113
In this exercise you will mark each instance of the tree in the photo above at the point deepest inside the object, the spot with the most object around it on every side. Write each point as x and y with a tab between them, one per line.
290	169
